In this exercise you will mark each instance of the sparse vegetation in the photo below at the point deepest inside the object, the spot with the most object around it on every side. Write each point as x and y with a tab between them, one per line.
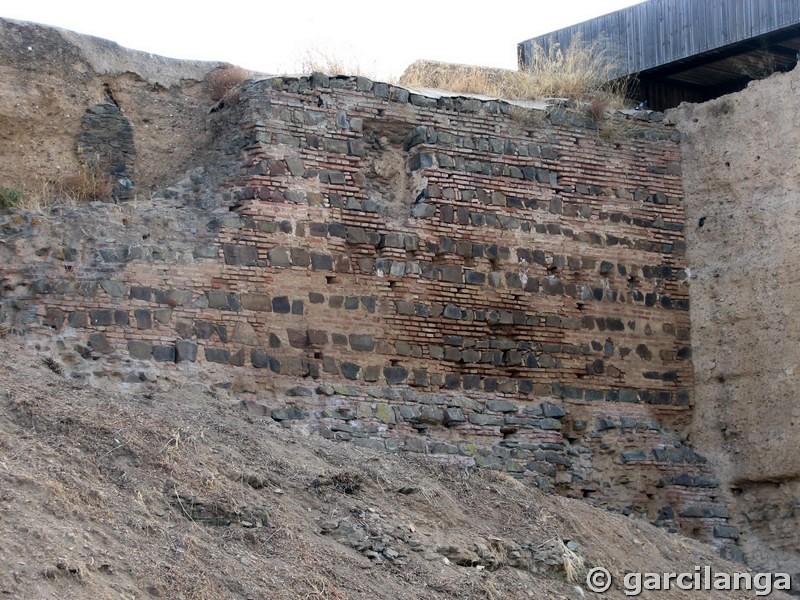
597	108
10	197
580	71
755	66
223	82
89	182
327	61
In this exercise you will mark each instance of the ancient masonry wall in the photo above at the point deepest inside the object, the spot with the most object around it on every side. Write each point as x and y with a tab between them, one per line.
465	278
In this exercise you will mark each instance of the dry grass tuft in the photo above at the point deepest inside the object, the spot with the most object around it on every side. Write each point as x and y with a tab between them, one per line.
580	71
223	82
597	108
89	182
755	66
574	563
327	61
469	79
53	365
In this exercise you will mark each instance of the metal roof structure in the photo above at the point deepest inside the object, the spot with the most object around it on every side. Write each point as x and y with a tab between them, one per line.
691	50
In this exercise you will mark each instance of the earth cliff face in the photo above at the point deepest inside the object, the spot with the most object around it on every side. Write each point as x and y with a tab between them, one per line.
742	180
52	76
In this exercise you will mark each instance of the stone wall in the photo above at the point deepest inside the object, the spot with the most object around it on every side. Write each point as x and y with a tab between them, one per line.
466	278
741	177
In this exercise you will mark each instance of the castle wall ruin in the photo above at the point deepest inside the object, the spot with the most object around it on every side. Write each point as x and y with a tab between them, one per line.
486	283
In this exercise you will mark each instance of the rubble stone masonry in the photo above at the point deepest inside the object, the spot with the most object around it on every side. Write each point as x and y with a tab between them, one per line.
490	284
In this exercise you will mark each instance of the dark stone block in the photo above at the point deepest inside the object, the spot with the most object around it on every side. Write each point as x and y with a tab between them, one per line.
421	378
99	343
372	373
41	286
452	354
54	318
280	305
430	415
218	355
78	319
549	424
452	381
140	350
141	293
553	411
259	359
350	370
453	416
203	329
471	382
356	235
224	301
317	337
631	456
279	257
501	406
289	413
362	342
299	391
297	307
321	262
101	317
144	318
422	160
451	311
236	254
238	358
705	511
164	353
452	274
300	257
298	338
185	350
369	303
121	317
553	286
395	375
475	277
726	532
485	420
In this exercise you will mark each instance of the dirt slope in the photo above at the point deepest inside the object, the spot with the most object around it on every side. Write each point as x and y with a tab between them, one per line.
170	490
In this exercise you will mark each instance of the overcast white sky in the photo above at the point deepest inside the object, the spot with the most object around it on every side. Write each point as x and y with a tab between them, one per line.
272	37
